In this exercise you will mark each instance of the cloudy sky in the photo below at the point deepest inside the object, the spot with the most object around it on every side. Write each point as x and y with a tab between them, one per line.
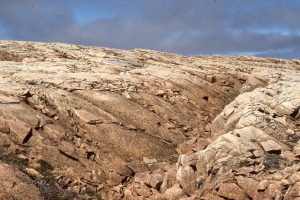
192	27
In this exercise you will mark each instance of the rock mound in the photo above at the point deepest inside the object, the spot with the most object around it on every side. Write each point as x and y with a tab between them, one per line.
113	124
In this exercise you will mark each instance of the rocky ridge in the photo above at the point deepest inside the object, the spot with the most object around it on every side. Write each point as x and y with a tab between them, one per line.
96	123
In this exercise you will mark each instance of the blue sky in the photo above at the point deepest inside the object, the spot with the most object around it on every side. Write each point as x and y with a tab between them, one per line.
269	28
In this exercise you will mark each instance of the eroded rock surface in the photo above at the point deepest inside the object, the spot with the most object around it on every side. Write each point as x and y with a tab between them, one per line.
16	185
113	124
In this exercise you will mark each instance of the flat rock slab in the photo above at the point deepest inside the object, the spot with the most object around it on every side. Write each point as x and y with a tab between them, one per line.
232	191
20	130
271	146
9	99
68	149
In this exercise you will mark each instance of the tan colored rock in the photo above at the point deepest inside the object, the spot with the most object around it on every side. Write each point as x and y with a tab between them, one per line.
295	177
169	179
285	182
186	176
87	117
288	155
263	185
248	184
212	197
4	127
255	81
149	161
271	146
54	131
173	193
296	149
21	131
232	191
114	178
293	192
33	173
114	121
156	180
142	190
281	120
16	185
274	191
126	94
159	93
9	99
68	149
210	78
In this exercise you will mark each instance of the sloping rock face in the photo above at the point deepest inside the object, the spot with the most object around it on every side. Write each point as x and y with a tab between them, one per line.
98	123
16	185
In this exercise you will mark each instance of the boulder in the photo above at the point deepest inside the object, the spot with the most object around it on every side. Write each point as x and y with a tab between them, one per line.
232	191
248	184
186	177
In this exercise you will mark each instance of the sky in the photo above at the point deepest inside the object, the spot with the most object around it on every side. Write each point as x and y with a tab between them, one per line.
265	28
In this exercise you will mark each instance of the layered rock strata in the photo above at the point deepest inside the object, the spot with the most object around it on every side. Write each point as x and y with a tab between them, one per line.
96	123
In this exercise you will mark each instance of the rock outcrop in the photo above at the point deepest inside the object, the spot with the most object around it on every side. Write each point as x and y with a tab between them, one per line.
96	123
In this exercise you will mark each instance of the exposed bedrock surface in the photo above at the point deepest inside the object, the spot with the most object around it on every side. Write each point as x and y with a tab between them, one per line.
96	123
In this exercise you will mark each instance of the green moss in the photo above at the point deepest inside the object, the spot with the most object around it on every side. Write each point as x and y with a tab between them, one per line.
45	165
45	170
245	163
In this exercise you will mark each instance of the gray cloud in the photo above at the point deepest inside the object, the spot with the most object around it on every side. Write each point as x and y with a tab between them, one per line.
192	27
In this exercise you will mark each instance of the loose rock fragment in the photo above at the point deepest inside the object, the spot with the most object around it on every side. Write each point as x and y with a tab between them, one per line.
21	131
68	149
296	149
271	146
9	100
263	185
232	191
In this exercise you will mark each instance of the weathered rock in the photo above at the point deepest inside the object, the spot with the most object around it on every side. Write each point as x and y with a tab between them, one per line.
87	117
156	180
112	122
293	192
263	185
173	193
68	149
169	179
295	177
149	161
271	146
232	191
296	149
9	99
210	78
4	127
248	184
274	191
33	172
187	178
21	131
16	185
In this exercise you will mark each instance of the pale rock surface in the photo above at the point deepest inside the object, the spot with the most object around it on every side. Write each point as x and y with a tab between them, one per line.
98	122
